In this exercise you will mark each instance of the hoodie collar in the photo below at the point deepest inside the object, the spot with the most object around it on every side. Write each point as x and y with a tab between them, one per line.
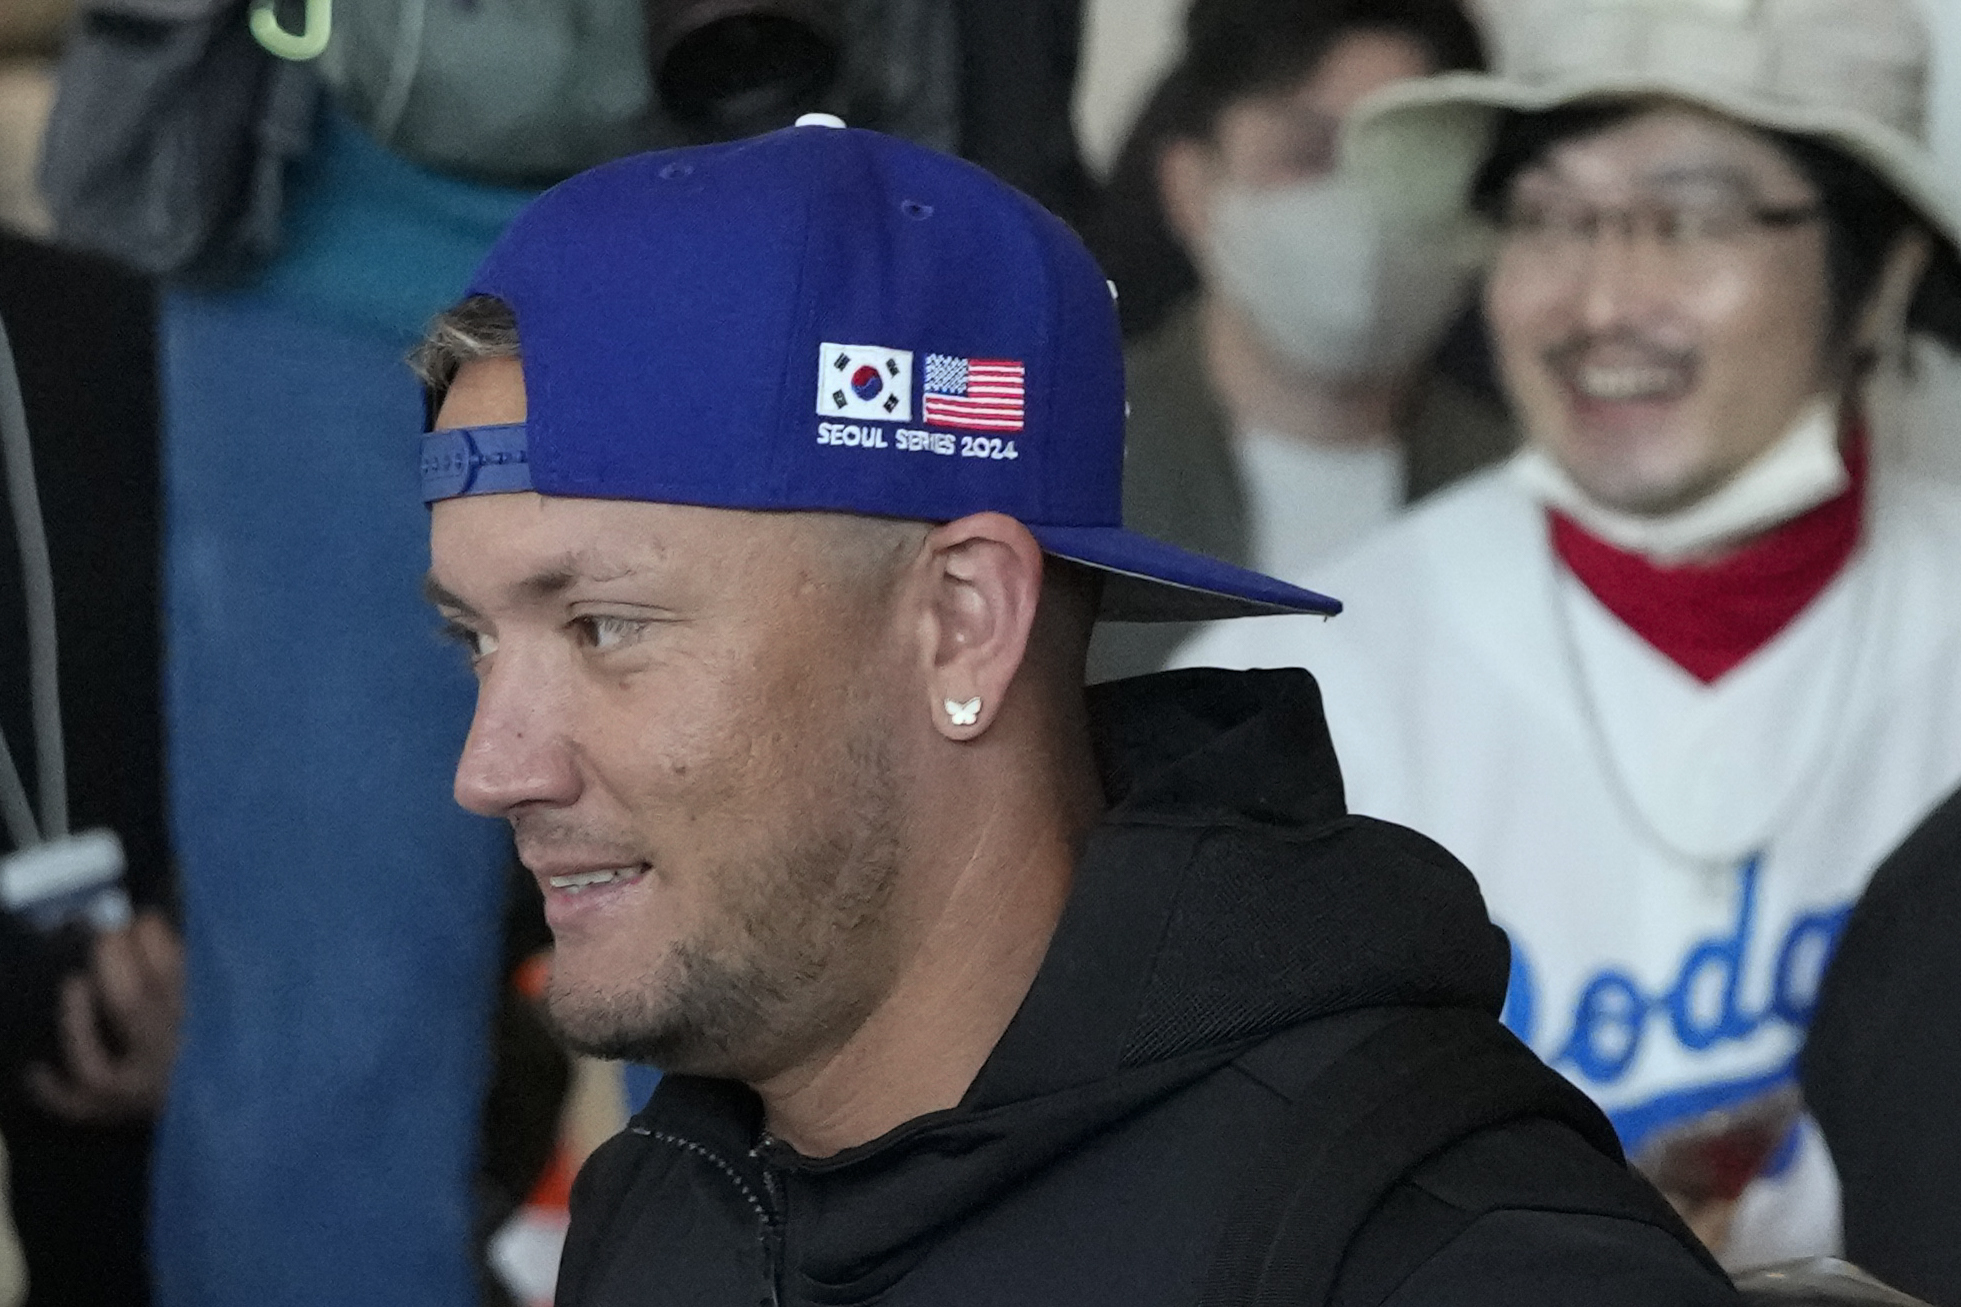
1182	753
1226	896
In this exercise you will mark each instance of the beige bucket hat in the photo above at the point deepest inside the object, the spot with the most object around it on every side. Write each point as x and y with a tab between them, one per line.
1851	73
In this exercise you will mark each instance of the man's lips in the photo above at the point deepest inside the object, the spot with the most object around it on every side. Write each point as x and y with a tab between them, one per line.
576	876
579	896
1597	375
1629	384
572	882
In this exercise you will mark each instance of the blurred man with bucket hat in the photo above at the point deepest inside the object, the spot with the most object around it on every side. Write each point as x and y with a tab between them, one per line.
1675	679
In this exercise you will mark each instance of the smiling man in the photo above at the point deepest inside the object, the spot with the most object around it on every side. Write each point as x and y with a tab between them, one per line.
1675	680
775	492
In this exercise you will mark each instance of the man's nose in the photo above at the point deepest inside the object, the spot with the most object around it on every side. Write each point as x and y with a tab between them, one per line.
1622	274
518	752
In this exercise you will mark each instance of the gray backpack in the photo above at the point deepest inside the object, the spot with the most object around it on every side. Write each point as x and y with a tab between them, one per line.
170	134
173	124
531	91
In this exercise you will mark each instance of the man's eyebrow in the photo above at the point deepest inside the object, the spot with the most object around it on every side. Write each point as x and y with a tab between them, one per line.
1667	175
547	583
439	596
1701	175
563	573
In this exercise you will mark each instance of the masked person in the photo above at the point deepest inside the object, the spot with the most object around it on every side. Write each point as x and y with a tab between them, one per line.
1678	677
1287	405
775	489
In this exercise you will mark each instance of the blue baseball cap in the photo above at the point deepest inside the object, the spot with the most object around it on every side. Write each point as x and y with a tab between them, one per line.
834	320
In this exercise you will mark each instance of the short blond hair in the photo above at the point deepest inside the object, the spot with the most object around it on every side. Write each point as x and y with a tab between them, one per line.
481	327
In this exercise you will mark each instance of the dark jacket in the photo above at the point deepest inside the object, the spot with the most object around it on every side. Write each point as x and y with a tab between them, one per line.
1230	932
84	341
1882	1065
1182	482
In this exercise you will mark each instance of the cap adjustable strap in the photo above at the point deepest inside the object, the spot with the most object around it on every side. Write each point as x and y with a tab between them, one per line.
489	460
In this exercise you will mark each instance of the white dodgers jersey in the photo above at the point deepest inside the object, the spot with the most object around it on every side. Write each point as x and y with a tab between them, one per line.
1674	861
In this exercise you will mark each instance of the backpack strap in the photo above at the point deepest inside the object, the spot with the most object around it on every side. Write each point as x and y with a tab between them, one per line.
1405	1093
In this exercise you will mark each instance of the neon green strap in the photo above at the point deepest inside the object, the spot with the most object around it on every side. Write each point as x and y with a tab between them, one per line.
309	43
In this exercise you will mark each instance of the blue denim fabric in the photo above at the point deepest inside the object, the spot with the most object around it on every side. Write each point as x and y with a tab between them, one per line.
641	1082
341	912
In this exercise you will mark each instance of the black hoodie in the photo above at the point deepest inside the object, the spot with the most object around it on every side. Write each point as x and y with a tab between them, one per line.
1882	1065
1230	931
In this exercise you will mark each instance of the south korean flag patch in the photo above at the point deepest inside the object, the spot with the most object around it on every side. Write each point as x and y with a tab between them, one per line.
864	381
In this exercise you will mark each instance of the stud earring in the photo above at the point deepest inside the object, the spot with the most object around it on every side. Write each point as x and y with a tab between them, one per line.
963	714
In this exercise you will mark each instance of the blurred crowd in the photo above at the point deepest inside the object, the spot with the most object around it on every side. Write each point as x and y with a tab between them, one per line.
1598	354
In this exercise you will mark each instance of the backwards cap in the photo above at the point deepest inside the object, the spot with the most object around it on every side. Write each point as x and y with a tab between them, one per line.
835	320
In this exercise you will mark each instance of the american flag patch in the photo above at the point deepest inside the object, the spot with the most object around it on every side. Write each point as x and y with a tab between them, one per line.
974	394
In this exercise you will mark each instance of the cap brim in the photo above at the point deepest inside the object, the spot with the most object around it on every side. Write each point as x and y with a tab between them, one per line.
1425	139
1146	580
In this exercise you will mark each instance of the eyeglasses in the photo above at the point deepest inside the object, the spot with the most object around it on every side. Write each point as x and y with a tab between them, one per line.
1686	233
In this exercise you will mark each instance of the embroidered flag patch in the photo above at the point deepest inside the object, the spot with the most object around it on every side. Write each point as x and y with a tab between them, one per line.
974	394
864	381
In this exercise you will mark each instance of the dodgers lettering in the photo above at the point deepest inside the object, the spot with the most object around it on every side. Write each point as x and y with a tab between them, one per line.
1705	1004
851	434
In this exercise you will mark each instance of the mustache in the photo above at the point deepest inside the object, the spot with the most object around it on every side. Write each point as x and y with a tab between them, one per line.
1566	355
549	832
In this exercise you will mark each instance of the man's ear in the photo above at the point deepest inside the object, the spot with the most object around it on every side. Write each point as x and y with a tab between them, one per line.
1882	324
985	581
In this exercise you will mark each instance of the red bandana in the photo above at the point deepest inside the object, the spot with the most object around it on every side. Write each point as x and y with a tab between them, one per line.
1709	617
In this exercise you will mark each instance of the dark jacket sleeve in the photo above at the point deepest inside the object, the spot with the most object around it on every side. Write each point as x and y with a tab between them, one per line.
1882	1065
1517	1258
1528	1215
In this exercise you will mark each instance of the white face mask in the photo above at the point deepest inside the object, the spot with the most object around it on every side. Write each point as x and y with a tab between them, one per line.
1335	282
1793	476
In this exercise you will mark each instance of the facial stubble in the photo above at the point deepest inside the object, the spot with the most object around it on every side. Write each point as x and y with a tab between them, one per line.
791	957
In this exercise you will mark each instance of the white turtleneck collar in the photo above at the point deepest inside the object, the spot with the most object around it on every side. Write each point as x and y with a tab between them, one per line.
1801	471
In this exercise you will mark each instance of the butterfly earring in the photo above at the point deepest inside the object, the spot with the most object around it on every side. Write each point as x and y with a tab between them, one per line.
963	714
